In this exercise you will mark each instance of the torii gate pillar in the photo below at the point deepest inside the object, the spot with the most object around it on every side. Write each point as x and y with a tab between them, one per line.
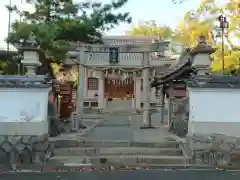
147	120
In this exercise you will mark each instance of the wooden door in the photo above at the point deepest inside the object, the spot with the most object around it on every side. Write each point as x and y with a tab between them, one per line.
66	106
118	88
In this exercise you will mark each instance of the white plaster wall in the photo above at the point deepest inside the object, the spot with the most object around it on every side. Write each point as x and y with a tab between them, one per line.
91	93
214	105
17	104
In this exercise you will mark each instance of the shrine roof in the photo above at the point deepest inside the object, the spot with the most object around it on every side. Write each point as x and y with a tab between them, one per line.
184	67
130	37
37	81
214	82
181	70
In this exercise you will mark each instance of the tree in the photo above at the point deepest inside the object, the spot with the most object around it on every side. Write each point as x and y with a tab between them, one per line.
150	28
202	22
57	23
9	62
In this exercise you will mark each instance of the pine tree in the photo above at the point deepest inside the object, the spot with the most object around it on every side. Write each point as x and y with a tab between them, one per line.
56	23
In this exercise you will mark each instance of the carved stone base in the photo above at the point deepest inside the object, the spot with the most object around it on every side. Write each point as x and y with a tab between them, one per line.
15	150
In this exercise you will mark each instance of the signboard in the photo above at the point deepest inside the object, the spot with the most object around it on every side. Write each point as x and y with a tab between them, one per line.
178	89
177	93
113	55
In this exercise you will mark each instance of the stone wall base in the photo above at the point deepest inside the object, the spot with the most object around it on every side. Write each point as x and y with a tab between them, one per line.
214	143
24	143
223	128
24	128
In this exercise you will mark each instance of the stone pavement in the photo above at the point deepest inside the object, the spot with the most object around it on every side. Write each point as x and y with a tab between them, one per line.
119	140
127	128
121	127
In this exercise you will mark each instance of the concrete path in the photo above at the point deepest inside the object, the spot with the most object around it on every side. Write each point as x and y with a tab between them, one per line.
127	128
122	128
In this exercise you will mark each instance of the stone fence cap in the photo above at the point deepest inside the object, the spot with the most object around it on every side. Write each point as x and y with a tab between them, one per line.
35	81
214	82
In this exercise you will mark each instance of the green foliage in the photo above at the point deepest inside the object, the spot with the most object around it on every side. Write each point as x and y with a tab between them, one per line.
8	67
56	23
201	22
150	28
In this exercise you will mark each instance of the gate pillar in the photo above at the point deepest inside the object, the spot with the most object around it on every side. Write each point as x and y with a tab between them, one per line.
101	90
137	92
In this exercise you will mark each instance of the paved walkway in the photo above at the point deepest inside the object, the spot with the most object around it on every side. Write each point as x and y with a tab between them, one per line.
122	127
127	128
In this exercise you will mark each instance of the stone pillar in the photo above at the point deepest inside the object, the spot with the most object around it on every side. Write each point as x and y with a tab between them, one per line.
101	90
81	80
134	91
31	60
85	82
170	110
77	121
138	92
146	92
162	102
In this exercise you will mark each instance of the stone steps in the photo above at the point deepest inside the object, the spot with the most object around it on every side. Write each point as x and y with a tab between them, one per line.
84	153
116	160
98	151
72	142
72	167
117	154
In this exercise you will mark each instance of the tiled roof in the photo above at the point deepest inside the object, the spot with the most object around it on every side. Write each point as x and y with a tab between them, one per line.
136	38
121	40
37	81
215	82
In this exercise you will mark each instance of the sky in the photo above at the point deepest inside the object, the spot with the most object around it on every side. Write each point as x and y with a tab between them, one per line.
164	12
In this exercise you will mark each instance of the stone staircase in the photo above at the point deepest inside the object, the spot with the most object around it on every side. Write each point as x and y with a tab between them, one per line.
79	152
117	154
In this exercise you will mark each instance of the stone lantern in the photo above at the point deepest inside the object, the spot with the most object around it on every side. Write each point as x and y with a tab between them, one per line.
30	50
202	60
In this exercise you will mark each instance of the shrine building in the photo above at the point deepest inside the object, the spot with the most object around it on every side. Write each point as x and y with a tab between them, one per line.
120	76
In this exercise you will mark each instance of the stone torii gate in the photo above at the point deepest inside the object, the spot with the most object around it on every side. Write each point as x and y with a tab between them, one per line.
145	49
